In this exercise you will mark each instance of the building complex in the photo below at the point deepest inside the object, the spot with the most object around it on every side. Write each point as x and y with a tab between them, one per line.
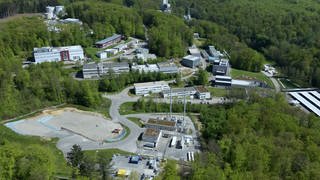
96	70
55	54
153	87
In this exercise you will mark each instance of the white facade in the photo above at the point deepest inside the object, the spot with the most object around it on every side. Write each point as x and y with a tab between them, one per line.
146	68
102	55
111	52
55	54
153	87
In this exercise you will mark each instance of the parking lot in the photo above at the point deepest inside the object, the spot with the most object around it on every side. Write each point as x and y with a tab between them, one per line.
147	167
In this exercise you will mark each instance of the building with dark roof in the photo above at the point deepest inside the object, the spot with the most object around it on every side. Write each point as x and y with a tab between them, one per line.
222	68
108	41
152	136
161	124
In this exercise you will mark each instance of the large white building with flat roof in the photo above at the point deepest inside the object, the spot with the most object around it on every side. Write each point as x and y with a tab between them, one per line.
55	54
153	87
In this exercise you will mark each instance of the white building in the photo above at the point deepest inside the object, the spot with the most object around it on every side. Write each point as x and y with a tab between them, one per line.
189	92
55	54
102	55
153	87
145	68
202	93
111	52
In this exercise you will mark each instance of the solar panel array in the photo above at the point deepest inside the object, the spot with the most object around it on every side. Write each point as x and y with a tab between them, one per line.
308	99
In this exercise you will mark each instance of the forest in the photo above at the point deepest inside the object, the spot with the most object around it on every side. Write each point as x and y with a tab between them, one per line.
262	138
286	32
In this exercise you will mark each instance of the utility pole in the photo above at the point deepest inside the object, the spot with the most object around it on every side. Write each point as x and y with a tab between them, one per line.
170	104
185	105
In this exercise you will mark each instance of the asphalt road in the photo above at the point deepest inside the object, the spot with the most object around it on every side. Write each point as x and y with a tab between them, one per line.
276	84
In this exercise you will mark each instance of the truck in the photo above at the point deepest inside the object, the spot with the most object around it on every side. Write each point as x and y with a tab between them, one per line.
173	141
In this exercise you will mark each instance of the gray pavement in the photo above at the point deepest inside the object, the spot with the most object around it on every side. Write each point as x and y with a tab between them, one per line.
276	84
127	144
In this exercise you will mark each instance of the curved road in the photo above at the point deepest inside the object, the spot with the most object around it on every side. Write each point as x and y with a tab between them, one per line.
127	144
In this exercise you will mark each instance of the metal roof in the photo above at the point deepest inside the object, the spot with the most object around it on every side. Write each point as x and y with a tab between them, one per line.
305	102
115	36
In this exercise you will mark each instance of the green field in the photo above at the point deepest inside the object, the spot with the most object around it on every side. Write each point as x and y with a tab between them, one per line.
218	92
127	108
246	75
288	84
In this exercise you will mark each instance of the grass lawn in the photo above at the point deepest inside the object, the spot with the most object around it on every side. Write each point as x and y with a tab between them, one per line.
136	121
91	52
127	108
288	84
62	168
246	75
103	108
106	153
218	92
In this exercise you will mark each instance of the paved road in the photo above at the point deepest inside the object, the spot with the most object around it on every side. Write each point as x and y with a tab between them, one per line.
276	84
127	144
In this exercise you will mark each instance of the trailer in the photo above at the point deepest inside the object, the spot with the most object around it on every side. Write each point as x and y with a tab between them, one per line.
173	141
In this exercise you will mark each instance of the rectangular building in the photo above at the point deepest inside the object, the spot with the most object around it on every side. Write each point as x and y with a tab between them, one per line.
56	54
202	93
161	124
145	68
191	61
168	68
179	92
222	68
151	135
153	87
108	41
222	80
95	70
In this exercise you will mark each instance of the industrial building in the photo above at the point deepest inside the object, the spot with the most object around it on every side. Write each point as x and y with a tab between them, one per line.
145	68
214	52
152	136
223	68
166	7
179	92
55	54
168	68
222	80
202	93
161	124
153	87
53	12
308	99
95	70
108	41
191	61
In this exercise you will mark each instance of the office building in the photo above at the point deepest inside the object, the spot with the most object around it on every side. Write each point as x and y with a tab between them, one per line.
145	68
168	67
188	92
108	41
191	61
153	87
56	54
96	70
